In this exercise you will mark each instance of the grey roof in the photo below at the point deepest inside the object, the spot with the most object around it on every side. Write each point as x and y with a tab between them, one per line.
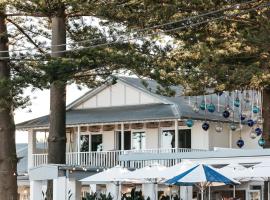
177	107
108	115
22	153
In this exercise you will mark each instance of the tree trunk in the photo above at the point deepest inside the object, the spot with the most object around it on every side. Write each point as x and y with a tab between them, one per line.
8	158
57	131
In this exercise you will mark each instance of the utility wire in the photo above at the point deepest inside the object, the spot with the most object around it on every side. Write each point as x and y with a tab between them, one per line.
156	33
136	31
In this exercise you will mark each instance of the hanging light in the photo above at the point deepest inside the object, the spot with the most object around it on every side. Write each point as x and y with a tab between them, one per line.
250	122
195	107
219	128
252	134
258	131
189	123
211	108
240	143
260	120
242	117
226	114
205	126
256	109
237	102
247	97
261	142
202	105
233	126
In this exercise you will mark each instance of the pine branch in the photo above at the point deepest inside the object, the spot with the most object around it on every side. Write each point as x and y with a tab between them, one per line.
26	35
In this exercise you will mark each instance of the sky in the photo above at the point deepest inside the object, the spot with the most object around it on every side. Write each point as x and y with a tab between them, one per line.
40	105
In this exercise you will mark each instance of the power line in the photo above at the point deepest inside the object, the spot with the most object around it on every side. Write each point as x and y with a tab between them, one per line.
165	31
135	31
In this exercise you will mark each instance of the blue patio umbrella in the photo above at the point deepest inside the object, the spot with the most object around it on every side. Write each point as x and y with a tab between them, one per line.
202	176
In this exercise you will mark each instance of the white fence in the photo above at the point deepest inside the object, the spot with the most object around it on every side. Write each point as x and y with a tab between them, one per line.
108	159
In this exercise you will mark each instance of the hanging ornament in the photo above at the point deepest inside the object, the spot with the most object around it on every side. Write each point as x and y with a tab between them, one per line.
259	120
240	143
219	93
211	108
202	105
256	109
252	134
242	117
233	126
219	128
250	122
258	131
247	97
189	123
226	114
205	126
261	142
237	102
196	108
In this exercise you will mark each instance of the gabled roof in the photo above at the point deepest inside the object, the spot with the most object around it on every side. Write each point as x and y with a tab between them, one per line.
109	115
177	107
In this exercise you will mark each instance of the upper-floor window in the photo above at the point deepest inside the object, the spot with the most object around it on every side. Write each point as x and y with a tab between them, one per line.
168	138
91	142
138	140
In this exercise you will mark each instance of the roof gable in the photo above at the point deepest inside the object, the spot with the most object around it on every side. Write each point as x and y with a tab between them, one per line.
123	93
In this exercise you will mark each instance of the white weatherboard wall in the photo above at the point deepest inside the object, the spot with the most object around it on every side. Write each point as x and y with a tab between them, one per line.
118	94
108	140
221	139
199	137
152	138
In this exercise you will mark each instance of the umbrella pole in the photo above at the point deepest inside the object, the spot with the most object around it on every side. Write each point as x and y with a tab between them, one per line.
209	197
268	192
201	193
234	188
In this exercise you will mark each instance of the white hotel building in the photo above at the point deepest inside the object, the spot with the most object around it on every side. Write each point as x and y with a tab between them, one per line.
126	123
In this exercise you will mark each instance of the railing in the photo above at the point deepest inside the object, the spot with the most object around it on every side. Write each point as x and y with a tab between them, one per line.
108	159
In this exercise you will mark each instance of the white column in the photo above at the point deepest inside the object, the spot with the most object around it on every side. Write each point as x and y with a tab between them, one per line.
60	188
31	147
78	144
176	133
73	189
122	136
150	190
36	190
113	190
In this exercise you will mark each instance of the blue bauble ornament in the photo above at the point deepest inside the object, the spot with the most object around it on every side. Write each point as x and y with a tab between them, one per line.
240	143
258	131
237	102
205	126
189	123
242	117
226	114
211	108
250	122
202	105
233	126
219	93
261	142
256	109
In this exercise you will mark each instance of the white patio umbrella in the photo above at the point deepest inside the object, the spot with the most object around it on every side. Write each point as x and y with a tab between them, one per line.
113	175
201	176
148	174
235	171
260	172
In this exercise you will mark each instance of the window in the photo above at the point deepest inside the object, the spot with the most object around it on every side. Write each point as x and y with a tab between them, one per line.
167	139
84	141
127	140
96	142
138	140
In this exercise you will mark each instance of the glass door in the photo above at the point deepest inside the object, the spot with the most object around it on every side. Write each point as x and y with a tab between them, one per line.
127	140
138	140
96	142
255	195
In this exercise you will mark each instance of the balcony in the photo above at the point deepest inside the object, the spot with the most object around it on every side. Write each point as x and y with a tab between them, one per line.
108	159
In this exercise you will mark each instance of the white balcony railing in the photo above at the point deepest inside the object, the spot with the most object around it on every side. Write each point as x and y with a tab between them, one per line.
108	159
